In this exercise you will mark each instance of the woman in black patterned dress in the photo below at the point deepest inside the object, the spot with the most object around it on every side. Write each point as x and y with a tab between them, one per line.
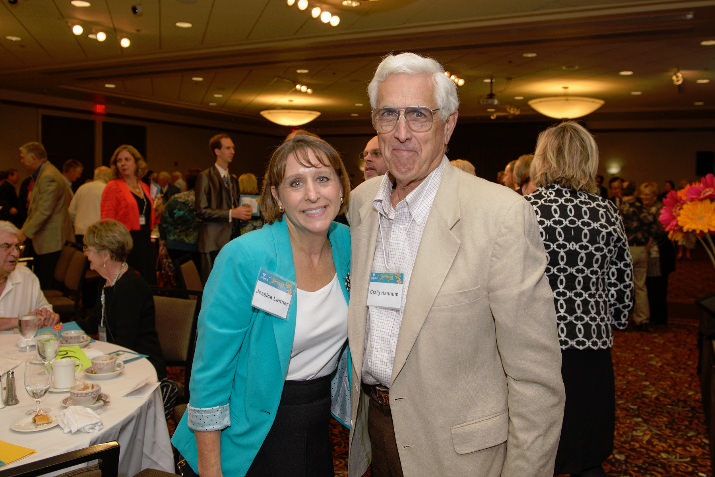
589	269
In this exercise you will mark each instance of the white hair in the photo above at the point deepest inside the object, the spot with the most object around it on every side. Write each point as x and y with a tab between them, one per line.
8	227
445	91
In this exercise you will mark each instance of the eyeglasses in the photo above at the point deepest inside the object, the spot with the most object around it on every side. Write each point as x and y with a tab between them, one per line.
418	118
20	247
372	152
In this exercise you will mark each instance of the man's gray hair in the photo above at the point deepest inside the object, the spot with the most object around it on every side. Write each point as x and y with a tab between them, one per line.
445	91
8	227
103	173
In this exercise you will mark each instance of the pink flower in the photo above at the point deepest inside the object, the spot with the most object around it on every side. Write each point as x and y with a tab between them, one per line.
703	191
671	208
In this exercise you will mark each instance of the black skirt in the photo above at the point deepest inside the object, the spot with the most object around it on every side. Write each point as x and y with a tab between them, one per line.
590	412
298	443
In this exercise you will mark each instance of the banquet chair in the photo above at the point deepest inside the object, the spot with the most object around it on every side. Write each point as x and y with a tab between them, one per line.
175	321
190	275
106	456
68	304
61	269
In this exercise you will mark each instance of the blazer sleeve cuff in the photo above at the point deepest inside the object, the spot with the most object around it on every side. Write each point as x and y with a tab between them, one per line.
209	419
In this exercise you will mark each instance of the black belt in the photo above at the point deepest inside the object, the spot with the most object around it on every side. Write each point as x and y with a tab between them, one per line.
378	393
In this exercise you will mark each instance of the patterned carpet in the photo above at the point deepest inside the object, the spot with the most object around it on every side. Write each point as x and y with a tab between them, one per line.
660	428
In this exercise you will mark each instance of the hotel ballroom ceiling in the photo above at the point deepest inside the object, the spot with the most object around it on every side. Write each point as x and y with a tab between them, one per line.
248	54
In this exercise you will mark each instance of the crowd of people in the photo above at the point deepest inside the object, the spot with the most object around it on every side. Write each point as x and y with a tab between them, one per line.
479	316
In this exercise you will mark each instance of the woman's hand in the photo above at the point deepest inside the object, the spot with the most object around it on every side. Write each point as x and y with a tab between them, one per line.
47	317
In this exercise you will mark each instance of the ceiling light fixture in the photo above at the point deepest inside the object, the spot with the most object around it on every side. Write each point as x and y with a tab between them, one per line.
302	4
198	79
80	3
351	3
302	71
315	12
565	107
699	103
183	24
625	73
703	81
290	117
325	17
290	3
334	20
125	42
101	36
677	78
707	42
636	93
518	98
110	85
77	30
13	38
529	55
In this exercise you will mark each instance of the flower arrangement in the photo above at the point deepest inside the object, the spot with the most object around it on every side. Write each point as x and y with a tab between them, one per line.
691	210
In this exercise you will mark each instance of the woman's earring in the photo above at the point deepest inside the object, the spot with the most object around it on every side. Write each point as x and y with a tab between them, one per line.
341	199
280	209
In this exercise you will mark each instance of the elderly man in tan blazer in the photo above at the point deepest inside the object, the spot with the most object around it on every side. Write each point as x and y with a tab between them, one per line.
456	362
48	222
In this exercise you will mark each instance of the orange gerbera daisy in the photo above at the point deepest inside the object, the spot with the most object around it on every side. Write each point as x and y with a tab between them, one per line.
698	216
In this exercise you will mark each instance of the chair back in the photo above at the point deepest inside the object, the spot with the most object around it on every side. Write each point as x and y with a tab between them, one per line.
63	262
192	280
106	455
175	321
75	271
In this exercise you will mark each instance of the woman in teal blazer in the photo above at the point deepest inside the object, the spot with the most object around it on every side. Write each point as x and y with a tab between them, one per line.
247	415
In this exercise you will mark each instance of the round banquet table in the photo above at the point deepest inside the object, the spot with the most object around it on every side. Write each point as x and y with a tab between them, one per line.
136	421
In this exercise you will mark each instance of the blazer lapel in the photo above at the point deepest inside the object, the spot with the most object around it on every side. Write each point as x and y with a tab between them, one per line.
435	255
284	330
364	236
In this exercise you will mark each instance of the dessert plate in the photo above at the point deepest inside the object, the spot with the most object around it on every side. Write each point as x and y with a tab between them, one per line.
25	424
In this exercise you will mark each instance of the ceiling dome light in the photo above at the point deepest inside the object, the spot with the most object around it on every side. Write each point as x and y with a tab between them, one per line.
315	12
290	117
13	38
290	3
625	73
110	85
702	81
707	42
460	82
303	88
518	98
198	79
183	24
80	3
335	20
77	30
101	36
302	4
302	71
325	17
699	103
351	3
529	55
565	107
125	42
636	93
310	91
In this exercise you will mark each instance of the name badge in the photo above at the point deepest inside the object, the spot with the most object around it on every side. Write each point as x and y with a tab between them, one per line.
385	290
273	294
102	333
142	220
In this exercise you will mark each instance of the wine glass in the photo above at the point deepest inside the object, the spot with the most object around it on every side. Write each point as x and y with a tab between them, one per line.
28	327
48	345
37	381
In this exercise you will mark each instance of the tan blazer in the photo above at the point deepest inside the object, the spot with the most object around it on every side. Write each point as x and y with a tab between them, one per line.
48	222
476	385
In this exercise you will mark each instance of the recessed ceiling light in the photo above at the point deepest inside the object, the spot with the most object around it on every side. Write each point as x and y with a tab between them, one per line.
625	73
198	79
353	114
218	95
80	3
290	2
334	20
702	81
351	3
302	71
77	30
125	42
212	104
699	103
101	36
315	12
13	38
487	80
302	4
569	67
636	93
359	105
519	98
110	85
184	24
529	54
491	110
707	42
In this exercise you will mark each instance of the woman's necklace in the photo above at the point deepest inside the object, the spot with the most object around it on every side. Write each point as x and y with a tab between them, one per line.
103	321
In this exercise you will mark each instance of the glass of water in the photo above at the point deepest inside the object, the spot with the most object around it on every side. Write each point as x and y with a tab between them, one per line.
48	345
28	327
37	381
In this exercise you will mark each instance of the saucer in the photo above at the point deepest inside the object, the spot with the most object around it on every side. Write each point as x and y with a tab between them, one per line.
102	400
91	374
81	344
25	424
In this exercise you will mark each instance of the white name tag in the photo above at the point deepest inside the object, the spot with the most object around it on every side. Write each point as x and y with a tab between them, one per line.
142	220
385	290
273	294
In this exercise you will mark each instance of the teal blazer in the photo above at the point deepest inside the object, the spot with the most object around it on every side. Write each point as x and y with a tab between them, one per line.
242	353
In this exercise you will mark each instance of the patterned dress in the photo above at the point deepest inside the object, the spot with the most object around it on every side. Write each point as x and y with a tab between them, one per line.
589	270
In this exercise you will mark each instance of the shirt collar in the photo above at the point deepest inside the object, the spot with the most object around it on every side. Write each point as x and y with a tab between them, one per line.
37	171
223	172
419	201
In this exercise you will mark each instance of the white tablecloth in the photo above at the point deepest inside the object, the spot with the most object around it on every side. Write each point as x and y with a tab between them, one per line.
137	423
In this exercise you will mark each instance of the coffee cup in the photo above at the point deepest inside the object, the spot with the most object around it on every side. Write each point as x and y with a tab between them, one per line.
63	372
73	336
84	394
104	364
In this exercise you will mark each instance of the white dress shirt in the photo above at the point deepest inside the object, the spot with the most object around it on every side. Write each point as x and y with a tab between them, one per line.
22	294
398	239
85	208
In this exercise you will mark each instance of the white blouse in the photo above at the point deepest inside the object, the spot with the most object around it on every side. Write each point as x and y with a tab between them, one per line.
321	329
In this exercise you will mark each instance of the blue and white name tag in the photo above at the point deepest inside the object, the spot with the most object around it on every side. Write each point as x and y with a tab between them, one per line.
273	294
385	290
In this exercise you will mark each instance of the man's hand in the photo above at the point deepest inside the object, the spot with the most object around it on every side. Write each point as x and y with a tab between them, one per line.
47	317
242	213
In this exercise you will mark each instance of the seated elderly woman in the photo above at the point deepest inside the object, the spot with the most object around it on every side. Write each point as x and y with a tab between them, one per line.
124	312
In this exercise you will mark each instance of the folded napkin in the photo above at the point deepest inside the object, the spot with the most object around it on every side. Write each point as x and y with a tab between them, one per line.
11	452
79	418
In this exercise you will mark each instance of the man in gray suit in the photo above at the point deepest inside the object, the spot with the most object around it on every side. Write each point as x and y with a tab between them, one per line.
217	199
452	329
